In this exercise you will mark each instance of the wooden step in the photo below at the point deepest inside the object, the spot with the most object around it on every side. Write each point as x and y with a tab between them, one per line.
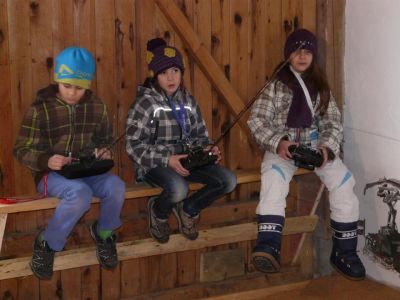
76	258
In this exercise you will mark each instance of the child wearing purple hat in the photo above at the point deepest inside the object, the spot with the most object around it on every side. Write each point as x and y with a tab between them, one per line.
298	108
162	124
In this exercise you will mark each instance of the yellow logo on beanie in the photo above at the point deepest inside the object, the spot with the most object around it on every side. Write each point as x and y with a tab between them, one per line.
66	69
149	57
169	52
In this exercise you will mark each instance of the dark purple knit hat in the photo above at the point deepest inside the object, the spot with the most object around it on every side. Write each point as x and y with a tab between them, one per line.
300	36
161	57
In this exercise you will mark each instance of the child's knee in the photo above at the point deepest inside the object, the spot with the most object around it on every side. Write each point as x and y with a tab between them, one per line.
79	196
177	191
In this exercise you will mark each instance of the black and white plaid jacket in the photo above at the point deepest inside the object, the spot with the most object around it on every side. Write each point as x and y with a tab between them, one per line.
152	132
268	118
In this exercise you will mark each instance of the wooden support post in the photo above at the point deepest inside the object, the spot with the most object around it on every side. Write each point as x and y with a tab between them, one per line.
312	212
205	61
3	221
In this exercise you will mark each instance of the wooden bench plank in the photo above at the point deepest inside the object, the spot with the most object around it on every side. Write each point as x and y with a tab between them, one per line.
76	258
138	190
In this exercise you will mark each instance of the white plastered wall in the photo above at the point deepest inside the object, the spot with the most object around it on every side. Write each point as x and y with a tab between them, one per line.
372	110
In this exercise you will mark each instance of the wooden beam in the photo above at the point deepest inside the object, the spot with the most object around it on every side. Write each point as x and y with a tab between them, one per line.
76	258
258	294
205	61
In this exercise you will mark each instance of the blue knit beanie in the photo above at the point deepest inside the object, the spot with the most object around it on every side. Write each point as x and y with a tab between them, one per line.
161	57
297	37
76	66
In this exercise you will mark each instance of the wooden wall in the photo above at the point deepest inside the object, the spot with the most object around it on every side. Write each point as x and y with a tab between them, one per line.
246	39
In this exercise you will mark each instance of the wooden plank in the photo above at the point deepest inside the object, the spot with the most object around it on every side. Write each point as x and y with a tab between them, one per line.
51	289
258	294
186	6
41	42
202	87
148	247
145	21
105	56
220	51
309	15
204	60
126	80
6	136
130	278
90	279
21	81
110	283
274	36
71	283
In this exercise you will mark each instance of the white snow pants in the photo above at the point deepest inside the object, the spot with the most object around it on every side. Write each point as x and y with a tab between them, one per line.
276	174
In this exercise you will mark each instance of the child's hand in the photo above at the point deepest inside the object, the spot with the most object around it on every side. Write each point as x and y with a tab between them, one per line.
215	151
283	149
103	153
324	152
175	164
56	162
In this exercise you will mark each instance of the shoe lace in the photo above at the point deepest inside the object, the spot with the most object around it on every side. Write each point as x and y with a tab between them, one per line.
190	222
43	256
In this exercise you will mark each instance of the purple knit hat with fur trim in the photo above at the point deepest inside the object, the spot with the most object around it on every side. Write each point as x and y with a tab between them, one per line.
161	57
300	36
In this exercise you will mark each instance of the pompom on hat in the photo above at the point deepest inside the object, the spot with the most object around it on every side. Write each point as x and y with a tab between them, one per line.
297	37
75	66
160	57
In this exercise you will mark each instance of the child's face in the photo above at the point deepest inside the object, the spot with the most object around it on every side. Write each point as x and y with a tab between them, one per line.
169	80
70	93
301	60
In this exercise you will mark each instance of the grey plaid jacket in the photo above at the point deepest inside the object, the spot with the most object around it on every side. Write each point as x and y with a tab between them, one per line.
152	132
269	114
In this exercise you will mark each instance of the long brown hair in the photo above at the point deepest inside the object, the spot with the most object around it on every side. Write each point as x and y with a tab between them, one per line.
313	76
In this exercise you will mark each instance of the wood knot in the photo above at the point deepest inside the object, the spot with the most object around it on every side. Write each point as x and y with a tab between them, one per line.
34	7
238	19
227	71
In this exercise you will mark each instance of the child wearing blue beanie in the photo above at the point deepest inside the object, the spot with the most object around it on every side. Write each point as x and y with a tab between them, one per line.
65	123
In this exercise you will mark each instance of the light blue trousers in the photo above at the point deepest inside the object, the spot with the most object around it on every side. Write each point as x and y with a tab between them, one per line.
75	198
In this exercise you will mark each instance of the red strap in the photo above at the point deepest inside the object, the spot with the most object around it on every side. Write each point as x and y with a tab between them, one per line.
12	200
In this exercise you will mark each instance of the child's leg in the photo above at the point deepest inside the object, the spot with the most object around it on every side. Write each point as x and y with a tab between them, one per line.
344	216
111	191
75	198
175	189
218	181
276	174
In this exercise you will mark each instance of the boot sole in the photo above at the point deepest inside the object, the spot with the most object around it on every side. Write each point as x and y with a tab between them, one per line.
265	262
161	241
345	275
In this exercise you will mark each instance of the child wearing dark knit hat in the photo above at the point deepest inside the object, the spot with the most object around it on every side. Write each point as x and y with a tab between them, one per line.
298	108
162	125
64	121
